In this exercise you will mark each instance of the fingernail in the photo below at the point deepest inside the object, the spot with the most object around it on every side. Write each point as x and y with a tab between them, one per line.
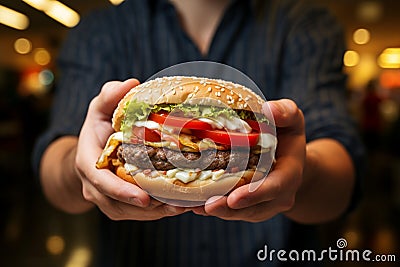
135	201
289	106
213	199
282	106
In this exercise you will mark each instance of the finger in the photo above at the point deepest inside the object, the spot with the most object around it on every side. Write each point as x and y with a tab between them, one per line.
199	210
111	185
257	213
116	210
285	113
111	93
281	184
123	211
243	197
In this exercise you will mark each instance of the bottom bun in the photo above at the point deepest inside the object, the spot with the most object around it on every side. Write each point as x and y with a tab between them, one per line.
196	191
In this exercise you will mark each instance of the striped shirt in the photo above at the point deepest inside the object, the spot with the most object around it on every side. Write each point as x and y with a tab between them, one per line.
288	49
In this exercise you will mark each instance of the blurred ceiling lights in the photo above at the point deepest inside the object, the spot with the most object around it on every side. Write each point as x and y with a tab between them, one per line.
57	11
52	8
116	2
13	18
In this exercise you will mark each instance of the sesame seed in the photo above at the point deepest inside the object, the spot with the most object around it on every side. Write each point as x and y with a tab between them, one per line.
173	91
222	89
209	89
218	94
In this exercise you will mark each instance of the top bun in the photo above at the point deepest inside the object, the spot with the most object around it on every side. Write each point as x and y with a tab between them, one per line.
190	90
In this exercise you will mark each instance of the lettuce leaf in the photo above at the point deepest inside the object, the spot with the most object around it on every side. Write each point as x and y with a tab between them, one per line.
134	111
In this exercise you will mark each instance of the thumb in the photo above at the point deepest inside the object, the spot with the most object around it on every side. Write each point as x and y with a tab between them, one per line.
286	113
111	93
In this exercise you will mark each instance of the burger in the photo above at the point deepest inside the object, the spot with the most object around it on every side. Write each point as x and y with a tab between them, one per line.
189	138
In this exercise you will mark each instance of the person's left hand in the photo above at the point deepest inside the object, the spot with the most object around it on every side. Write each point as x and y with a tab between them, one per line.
277	192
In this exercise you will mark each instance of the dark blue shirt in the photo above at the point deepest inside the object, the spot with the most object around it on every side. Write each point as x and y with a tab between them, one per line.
289	49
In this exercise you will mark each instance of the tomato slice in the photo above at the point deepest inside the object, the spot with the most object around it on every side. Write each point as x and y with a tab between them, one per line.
146	134
181	122
260	126
229	138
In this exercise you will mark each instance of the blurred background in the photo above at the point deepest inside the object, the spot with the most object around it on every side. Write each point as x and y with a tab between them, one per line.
32	233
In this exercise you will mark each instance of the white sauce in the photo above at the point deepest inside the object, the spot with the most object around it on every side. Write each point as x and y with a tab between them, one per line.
232	124
190	175
148	124
267	140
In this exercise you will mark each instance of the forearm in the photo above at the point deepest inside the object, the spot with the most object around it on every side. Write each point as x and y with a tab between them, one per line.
60	182
327	185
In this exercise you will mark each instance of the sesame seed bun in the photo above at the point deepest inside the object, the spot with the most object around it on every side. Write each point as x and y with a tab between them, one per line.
195	191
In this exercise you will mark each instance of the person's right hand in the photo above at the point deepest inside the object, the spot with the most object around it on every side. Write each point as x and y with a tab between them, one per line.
116	198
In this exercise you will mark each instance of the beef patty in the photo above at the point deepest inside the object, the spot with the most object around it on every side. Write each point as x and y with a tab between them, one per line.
163	159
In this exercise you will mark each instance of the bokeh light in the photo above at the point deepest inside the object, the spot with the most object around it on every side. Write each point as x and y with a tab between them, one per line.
46	77
22	46
55	244
361	36
351	58
42	56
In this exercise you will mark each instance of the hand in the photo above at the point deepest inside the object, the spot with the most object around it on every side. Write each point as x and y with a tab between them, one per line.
116	198
277	192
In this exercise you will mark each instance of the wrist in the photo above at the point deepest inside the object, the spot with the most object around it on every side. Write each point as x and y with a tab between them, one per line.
59	176
327	183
